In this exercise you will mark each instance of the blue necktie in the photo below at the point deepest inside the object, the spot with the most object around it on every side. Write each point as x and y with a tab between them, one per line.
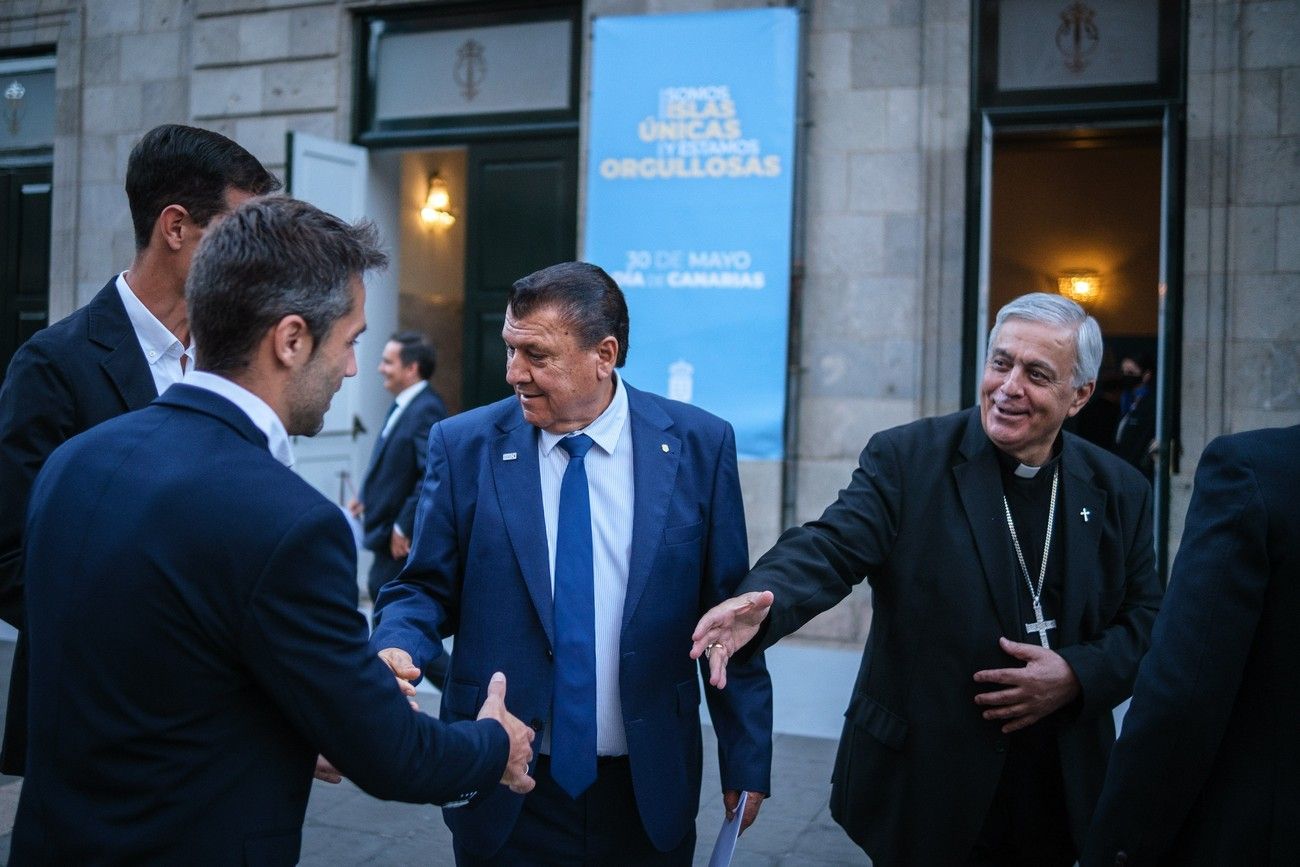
573	706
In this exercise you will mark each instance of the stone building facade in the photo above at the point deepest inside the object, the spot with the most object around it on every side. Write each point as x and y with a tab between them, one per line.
882	216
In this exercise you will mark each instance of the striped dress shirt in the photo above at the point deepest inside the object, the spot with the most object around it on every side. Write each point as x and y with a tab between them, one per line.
609	481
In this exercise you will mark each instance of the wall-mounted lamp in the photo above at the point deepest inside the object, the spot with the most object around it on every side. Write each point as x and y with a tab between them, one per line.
1081	286
437	206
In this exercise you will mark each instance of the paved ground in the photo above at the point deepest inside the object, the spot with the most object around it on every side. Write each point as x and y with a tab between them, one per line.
347	827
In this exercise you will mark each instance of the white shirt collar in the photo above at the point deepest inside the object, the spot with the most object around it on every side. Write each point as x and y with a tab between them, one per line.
259	412
406	395
1025	471
605	430
156	339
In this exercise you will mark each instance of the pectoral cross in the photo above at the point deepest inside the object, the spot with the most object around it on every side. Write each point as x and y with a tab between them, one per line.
1040	625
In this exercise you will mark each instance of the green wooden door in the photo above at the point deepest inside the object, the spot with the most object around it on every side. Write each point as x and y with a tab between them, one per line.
24	256
522	215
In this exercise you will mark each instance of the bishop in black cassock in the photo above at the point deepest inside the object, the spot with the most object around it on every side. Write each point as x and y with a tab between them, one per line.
968	740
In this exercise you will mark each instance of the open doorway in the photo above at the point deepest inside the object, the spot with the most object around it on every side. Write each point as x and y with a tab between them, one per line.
429	253
1092	210
511	208
1077	211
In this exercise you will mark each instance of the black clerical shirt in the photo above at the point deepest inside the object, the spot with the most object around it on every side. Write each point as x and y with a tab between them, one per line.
1030	500
1027	822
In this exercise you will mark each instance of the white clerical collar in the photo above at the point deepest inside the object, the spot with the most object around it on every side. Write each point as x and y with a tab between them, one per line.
605	430
406	395
1025	471
156	339
259	412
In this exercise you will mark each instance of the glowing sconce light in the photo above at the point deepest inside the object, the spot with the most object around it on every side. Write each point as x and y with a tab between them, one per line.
437	206
1081	286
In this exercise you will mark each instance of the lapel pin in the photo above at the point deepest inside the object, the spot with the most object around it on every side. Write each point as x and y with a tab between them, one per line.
664	446
510	456
1085	514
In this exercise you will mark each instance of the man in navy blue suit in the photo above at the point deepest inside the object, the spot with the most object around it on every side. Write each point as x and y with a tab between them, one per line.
570	536
118	352
391	487
192	614
1207	768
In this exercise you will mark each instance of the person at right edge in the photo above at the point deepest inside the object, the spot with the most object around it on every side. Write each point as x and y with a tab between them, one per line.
1207	768
1013	592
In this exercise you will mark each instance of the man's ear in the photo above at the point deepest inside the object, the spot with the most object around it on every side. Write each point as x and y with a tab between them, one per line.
172	226
1082	394
292	342
607	352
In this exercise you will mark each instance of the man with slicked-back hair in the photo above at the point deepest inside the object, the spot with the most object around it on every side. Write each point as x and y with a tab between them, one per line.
118	352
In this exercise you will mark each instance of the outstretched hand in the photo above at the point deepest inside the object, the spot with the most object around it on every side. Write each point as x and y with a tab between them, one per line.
1044	684
521	736
726	628
399	662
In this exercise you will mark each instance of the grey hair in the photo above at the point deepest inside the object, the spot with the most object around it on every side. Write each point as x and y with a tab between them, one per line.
271	258
1057	310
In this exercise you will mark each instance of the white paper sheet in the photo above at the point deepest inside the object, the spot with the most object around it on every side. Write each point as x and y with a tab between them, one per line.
725	848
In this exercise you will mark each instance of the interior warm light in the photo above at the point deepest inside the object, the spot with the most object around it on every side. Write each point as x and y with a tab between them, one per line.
1081	286
437	205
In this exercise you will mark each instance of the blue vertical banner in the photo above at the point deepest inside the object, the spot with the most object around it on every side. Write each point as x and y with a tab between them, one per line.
689	205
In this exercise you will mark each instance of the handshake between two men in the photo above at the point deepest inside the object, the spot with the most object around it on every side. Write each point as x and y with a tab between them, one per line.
494	707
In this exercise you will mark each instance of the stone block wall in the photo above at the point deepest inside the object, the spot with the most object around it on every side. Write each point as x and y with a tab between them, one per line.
881	181
263	68
884	202
1241	349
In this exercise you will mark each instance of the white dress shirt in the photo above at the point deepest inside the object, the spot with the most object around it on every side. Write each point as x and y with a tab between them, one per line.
259	412
161	348
403	399
609	483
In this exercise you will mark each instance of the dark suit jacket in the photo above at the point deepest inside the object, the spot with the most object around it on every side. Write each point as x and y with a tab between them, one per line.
211	649
1135	431
392	484
922	520
67	378
1207	768
479	568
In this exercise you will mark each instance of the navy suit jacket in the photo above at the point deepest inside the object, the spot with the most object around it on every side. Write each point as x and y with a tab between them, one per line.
479	569
83	370
1207	768
392	485
195	643
922	521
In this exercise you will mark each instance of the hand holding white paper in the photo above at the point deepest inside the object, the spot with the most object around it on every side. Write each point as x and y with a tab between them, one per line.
725	847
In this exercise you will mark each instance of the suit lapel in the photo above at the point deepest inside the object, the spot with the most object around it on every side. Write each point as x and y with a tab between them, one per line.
979	483
405	420
654	477
381	444
1082	539
109	327
516	475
